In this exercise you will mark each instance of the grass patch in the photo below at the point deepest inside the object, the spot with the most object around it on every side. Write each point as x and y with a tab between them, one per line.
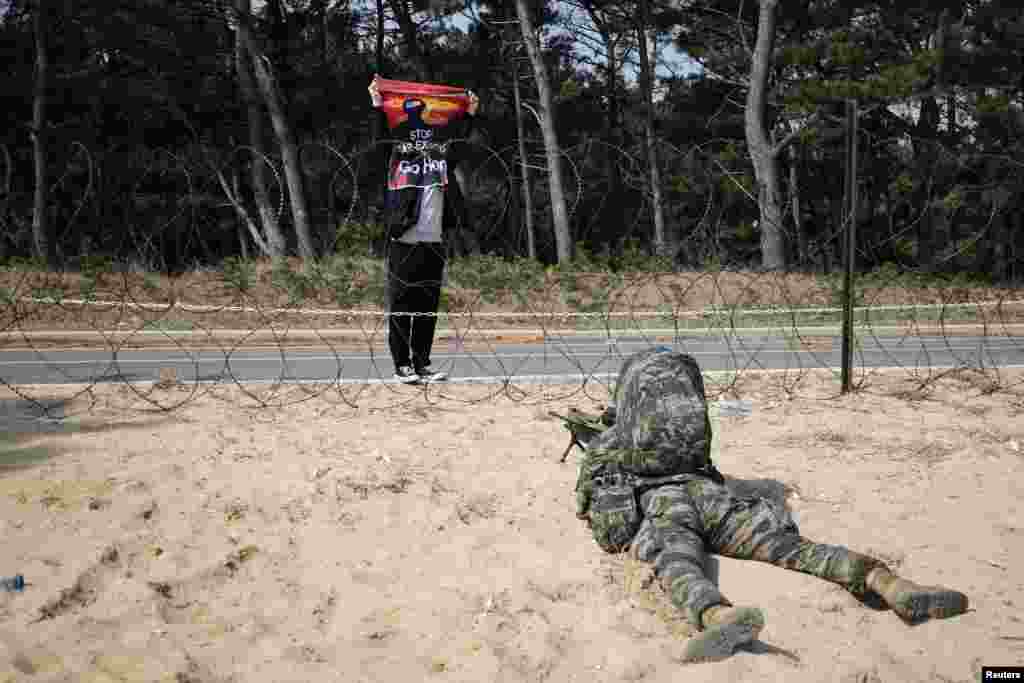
150	283
25	265
348	279
342	279
12	455
238	274
603	287
54	294
811	316
497	279
92	269
295	284
168	325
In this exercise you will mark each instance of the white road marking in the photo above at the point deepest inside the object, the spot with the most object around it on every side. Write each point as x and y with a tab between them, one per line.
744	349
549	379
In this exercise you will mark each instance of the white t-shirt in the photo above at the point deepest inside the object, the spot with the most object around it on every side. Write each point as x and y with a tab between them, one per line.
428	227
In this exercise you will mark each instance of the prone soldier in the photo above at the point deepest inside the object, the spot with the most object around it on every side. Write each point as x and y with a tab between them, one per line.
647	486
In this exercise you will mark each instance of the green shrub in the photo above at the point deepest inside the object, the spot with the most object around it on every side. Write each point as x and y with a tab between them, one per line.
355	238
169	325
894	276
745	232
349	279
54	293
633	259
586	260
296	285
23	264
239	273
87	288
150	283
569	285
93	266
496	277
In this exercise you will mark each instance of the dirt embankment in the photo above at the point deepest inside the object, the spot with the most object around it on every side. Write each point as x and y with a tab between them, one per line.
206	301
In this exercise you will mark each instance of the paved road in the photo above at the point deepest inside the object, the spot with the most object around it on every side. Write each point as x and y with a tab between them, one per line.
567	359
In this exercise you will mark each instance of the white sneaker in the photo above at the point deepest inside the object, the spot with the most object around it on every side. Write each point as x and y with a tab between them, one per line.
406	375
428	375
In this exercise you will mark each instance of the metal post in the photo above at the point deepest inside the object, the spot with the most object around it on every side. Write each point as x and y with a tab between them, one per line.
851	242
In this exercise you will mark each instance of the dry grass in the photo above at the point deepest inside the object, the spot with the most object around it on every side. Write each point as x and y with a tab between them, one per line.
669	292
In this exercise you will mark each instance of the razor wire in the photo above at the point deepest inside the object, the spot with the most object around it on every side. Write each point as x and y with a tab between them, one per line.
563	330
351	344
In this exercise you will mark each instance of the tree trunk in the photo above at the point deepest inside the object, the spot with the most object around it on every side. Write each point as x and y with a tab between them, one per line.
5	217
795	208
1017	240
951	124
614	215
647	76
1001	247
832	246
927	157
276	49
941	242
762	153
376	118
325	41
269	88
524	168
559	212
274	238
289	152
41	229
413	50
378	50
983	251
243	240
617	211
339	65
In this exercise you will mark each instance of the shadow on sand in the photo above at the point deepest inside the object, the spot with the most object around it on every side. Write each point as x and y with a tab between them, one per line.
26	425
22	422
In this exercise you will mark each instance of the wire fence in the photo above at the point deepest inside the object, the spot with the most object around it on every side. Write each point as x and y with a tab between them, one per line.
283	331
558	338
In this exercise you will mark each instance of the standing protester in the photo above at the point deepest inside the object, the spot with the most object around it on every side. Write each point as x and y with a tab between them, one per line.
422	204
647	486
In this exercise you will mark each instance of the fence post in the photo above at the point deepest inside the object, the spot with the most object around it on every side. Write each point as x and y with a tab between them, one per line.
849	253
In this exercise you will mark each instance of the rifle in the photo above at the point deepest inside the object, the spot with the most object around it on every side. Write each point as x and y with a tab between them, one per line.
583	427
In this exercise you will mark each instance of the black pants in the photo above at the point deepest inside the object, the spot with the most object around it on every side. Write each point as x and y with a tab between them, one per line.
414	286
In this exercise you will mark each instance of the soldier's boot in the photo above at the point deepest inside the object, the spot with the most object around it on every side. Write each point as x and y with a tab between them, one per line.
914	602
725	629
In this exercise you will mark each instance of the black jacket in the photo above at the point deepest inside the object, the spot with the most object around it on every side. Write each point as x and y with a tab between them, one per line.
401	207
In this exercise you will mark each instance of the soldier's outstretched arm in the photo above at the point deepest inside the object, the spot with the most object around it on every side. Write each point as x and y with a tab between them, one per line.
583	427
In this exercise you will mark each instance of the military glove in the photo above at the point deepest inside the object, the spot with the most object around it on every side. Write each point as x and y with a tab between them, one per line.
595	464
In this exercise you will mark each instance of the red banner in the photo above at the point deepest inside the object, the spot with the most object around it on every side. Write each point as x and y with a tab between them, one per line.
437	105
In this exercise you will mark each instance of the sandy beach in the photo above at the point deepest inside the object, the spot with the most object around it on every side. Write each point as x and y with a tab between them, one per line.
395	535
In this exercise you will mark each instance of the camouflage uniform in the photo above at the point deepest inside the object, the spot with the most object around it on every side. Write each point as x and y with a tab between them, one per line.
647	484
